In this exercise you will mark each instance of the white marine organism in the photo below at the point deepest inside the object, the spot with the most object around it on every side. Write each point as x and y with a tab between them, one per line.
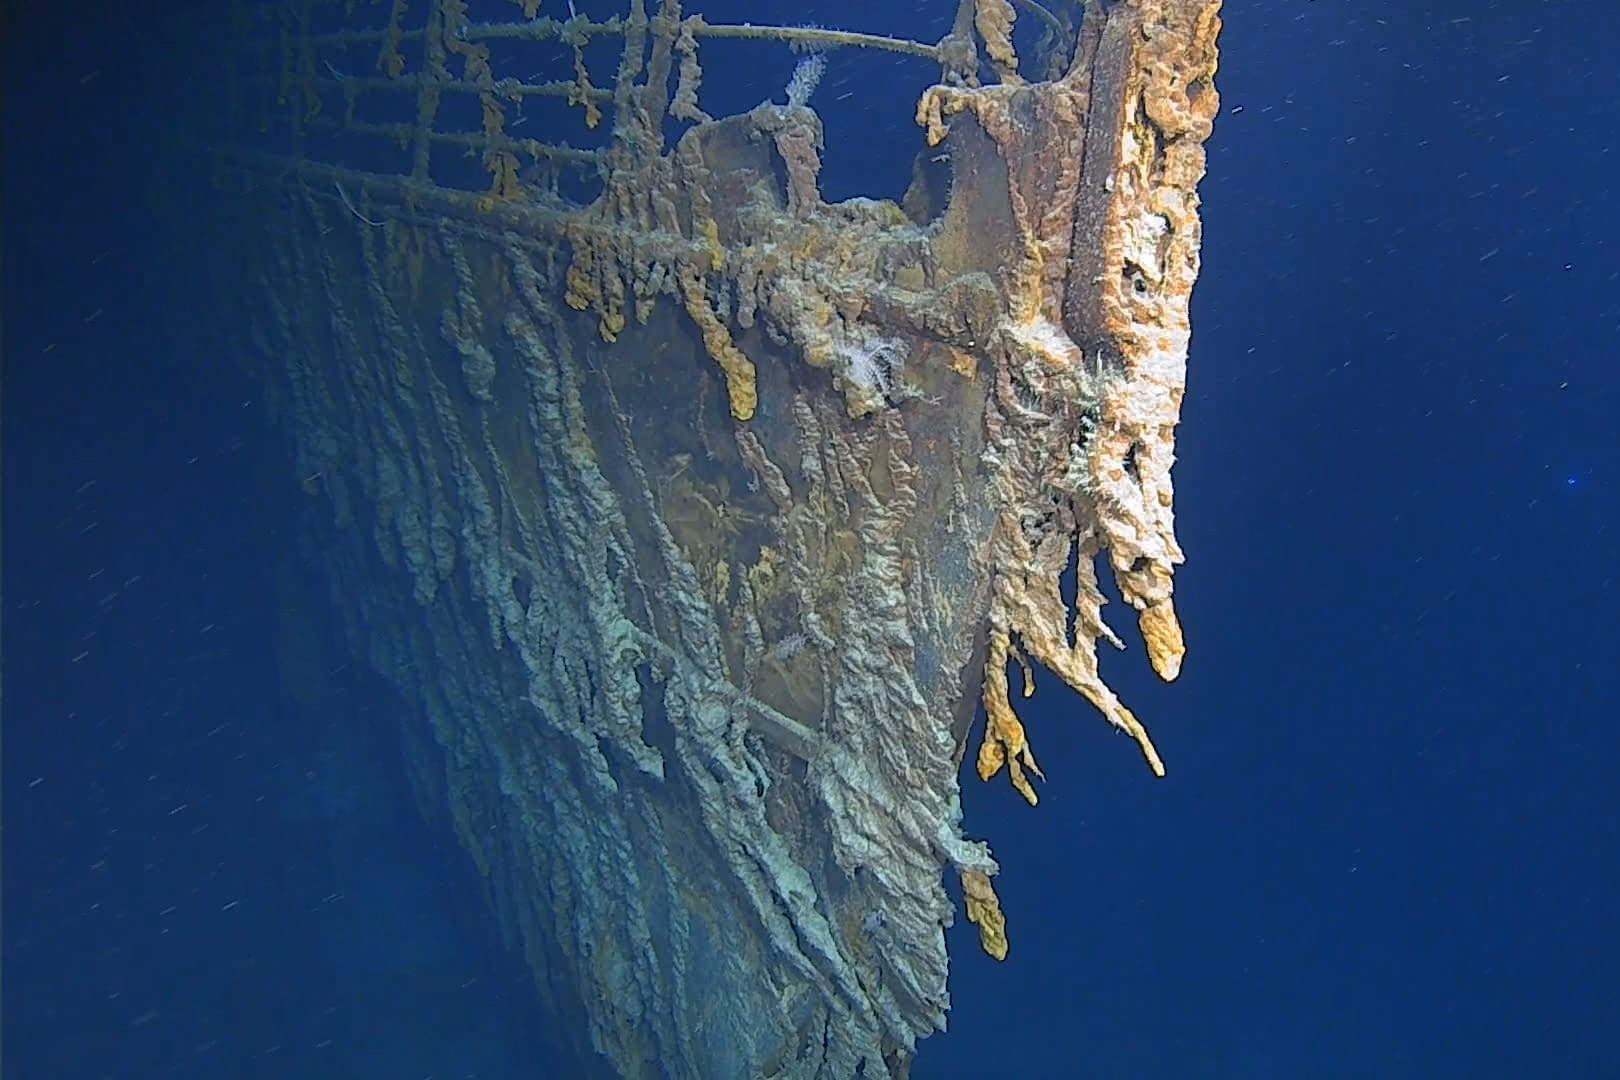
874	362
807	75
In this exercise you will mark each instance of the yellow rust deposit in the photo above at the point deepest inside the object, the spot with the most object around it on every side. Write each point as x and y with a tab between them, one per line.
993	19
984	911
741	391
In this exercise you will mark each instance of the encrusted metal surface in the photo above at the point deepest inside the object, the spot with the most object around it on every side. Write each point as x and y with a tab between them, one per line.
696	519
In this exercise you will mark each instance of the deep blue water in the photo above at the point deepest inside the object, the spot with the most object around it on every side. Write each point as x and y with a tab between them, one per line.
1386	846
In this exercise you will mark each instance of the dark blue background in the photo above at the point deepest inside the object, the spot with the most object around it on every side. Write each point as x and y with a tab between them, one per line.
1387	842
